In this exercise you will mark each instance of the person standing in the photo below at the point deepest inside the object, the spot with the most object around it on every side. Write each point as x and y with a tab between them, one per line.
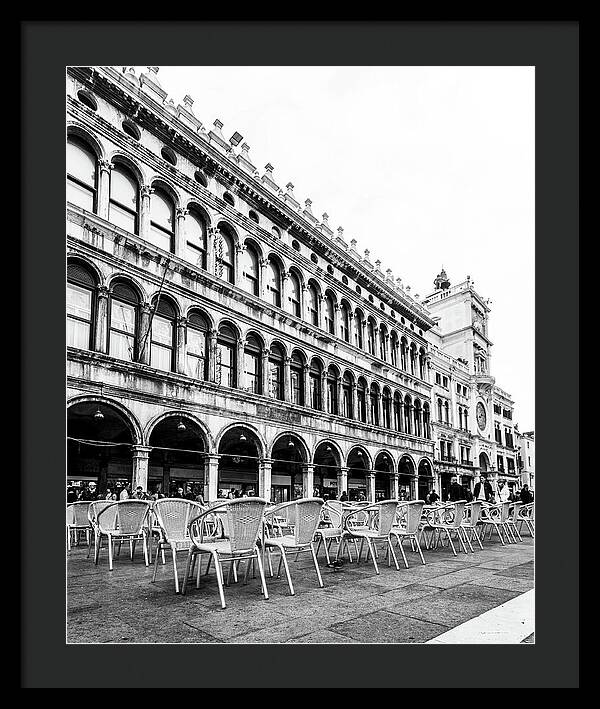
456	491
72	495
139	493
344	496
526	496
125	492
110	495
90	493
432	497
503	492
483	489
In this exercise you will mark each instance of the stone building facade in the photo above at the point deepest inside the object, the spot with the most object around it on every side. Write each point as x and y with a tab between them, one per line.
222	337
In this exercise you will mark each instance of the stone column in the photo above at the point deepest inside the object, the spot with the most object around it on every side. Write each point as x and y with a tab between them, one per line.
287	379
104	168
181	350
211	353
354	401
378	409
240	382
324	390
145	192
211	477
264	372
342	480
263	294
140	455
238	249
321	306
306	384
414	488
308	480
284	291
180	236
394	486
211	240
370	486
338	393
145	334
264	478
100	338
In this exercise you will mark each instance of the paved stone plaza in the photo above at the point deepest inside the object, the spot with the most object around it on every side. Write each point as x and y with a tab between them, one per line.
412	605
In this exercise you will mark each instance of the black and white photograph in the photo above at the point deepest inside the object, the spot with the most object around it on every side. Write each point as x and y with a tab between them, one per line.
300	354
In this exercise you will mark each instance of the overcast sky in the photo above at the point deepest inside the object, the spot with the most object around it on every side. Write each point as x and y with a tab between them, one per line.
424	166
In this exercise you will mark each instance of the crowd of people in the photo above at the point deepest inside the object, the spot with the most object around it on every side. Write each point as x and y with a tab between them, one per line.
89	492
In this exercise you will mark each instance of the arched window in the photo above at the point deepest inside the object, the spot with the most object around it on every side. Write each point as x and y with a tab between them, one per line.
124	199
404	354
197	339
460	418
249	266
394	348
315	384
361	395
224	256
422	363
82	174
446	412
413	358
274	282
226	357
294	298
332	390
329	314
370	337
313	304
162	220
466	413
276	356
383	343
439	408
397	411
123	318
358	328
386	408
426	421
374	402
81	289
162	344
407	418
347	408
344	322
252	362
195	233
417	417
297	379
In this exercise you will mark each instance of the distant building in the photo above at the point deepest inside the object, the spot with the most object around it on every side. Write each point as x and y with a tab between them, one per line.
526	443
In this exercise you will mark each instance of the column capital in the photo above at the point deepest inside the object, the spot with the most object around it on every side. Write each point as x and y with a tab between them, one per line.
146	190
182	212
146	308
105	165
141	451
102	291
181	321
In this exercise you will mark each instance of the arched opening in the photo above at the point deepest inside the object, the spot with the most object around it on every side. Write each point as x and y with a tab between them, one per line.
294	298
315	377
386	408
345	322
374	404
361	396
123	316
418	415
288	457
358	465
99	440
425	479
406	477
333	377
404	354
397	411
358	328
276	358
297	378
162	220
197	345
347	403
384	467
394	346
226	357
162	342
195	233
484	462
124	199
176	460
407	417
371	336
81	305
274	282
313	304
383	343
239	451
329	313
249	269
327	467
252	364
82	174
225	254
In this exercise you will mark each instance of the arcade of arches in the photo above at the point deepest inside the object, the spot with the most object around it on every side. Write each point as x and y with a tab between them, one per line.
106	445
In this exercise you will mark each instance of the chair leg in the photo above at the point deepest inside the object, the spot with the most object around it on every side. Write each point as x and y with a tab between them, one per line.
372	556
200	567
174	554
314	556
326	547
68	539
188	563
399	540
450	540
219	572
287	571
418	545
110	553
145	546
90	544
389	541
362	542
261	571
460	533
155	563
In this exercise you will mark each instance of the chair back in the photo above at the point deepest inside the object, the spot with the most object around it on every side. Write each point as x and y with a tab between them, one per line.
244	522
515	507
408	516
472	513
504	511
306	514
452	514
132	515
331	512
70	515
105	516
80	513
173	515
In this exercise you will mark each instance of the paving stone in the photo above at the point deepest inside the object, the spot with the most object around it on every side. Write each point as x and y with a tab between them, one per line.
321	637
384	627
519	585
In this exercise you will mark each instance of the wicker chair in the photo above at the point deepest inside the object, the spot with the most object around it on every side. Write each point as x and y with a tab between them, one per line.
234	537
526	516
381	516
330	526
172	517
448	519
94	510
513	518
77	521
302	518
406	526
471	521
494	518
125	520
